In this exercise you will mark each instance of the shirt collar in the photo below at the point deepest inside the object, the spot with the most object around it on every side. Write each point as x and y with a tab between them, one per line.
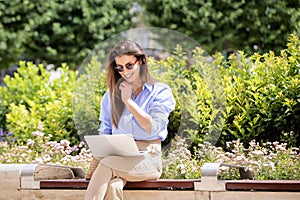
148	86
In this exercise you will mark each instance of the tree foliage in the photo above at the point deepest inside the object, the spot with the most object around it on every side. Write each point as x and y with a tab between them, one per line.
57	31
250	26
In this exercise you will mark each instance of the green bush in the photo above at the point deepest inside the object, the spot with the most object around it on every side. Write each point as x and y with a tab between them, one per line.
32	96
261	94
88	91
194	95
263	100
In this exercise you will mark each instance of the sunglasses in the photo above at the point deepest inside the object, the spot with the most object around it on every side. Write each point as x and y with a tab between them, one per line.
128	66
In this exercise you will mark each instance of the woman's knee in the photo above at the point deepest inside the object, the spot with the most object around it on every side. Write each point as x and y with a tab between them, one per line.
115	189
117	183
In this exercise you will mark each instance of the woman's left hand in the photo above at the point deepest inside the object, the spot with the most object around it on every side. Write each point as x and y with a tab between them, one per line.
126	91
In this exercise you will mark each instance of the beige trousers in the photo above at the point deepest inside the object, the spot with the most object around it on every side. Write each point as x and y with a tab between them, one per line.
113	172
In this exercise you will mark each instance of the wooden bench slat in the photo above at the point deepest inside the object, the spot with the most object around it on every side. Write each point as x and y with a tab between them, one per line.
174	184
180	184
266	185
64	184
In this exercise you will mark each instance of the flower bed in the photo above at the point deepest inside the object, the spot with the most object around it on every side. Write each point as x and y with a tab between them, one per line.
269	161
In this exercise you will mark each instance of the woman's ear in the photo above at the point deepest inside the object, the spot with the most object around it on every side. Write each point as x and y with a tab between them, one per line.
141	62
143	59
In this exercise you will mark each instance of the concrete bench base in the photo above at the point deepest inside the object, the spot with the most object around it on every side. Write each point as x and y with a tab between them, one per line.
149	195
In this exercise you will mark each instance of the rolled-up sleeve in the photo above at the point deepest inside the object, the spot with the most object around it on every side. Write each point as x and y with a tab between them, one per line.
160	110
105	115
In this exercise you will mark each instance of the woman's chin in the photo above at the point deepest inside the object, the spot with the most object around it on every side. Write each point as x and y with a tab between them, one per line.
128	80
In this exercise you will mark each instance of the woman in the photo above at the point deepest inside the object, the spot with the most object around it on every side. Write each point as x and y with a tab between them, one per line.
136	104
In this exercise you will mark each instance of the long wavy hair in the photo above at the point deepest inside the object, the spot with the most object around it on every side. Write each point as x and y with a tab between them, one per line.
114	79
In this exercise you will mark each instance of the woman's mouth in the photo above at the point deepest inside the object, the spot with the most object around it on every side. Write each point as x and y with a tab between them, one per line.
128	75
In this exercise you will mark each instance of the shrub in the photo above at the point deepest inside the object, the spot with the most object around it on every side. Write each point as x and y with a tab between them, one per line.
33	96
88	91
263	95
259	98
194	93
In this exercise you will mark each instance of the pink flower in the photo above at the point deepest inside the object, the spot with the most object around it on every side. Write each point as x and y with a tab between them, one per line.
52	143
65	143
37	133
40	126
280	148
30	142
68	150
75	148
58	147
82	144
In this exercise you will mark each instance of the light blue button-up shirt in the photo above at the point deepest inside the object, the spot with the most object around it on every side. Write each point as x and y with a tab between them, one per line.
155	99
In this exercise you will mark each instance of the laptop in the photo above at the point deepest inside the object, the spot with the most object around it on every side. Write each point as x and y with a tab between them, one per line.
112	145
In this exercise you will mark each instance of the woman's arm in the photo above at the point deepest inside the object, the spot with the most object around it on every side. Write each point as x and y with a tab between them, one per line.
105	115
153	119
144	119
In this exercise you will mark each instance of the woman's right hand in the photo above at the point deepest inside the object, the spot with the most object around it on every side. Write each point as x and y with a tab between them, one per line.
126	91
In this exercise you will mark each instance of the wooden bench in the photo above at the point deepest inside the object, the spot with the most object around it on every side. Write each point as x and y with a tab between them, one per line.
181	184
209	181
17	182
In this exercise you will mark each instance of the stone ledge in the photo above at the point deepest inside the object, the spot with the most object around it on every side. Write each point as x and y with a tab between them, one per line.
9	176
254	195
150	195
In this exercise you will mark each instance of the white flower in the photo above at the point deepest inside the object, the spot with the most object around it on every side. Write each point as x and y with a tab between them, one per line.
256	152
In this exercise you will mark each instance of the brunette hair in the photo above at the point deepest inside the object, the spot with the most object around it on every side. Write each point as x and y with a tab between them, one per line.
114	78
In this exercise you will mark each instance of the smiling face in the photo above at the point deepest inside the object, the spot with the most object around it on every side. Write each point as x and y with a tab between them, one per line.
130	66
